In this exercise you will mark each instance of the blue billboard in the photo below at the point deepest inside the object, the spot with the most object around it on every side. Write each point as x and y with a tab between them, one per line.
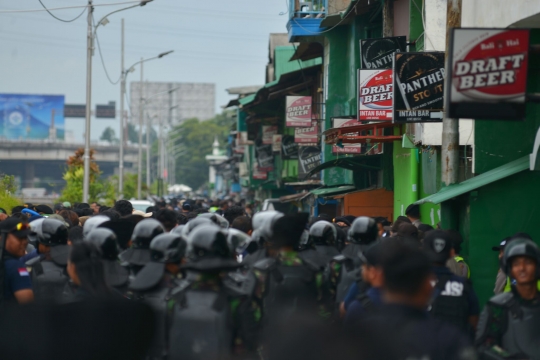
24	116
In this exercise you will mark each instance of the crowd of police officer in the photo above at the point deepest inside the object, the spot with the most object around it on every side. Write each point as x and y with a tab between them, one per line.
292	288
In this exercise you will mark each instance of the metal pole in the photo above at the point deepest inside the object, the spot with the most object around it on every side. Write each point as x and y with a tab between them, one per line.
122	92
89	41
148	180
139	170
450	135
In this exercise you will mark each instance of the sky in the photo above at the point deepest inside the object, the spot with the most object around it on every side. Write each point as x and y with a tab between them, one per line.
214	41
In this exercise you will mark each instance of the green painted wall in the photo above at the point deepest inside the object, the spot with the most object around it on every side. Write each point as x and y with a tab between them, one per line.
405	178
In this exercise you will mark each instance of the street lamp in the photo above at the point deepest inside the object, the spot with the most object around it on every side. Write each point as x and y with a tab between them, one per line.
131	69
90	35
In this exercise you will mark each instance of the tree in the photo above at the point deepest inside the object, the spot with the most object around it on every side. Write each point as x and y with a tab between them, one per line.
7	190
133	135
109	135
73	191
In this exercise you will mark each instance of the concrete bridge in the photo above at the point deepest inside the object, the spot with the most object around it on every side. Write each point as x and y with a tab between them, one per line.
41	163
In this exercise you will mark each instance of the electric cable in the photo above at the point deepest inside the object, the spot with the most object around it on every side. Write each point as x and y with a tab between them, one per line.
101	57
57	18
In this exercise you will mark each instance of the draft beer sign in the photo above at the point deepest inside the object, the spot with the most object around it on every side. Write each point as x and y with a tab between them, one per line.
375	95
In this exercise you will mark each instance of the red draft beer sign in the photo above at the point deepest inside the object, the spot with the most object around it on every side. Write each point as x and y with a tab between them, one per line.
298	111
375	98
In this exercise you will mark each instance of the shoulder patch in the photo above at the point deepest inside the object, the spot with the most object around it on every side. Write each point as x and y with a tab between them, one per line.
23	272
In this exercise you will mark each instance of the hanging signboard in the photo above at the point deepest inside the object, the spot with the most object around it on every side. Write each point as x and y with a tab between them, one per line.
276	143
309	158
418	87
265	158
258	174
307	135
347	148
488	73
378	53
298	111
375	95
267	133
289	149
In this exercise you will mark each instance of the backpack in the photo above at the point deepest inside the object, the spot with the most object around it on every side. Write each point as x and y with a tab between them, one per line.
48	280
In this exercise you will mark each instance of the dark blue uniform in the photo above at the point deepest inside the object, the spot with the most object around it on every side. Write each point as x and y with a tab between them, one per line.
16	277
358	307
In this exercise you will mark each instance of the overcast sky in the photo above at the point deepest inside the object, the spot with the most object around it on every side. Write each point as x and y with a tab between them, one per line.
217	41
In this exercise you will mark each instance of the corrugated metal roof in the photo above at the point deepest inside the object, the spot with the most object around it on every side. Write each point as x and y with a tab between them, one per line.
333	190
476	182
282	64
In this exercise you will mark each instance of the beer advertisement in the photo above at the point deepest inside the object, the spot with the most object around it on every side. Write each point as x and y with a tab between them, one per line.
265	157
307	135
488	73
375	95
346	148
418	87
378	53
289	149
309	158
298	111
268	131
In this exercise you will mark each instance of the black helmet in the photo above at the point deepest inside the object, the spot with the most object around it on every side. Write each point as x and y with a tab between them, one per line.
192	224
216	219
520	247
53	233
165	249
105	239
323	233
92	223
263	223
239	241
168	248
210	250
145	231
178	229
363	231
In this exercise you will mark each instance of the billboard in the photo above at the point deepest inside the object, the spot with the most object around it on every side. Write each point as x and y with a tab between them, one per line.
298	111
35	117
488	73
418	87
375	95
378	53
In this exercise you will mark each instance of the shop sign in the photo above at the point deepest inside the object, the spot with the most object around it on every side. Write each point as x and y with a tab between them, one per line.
298	111
289	149
309	158
375	95
276	143
347	148
418	87
378	53
307	135
489	73
268	132
258	174
265	158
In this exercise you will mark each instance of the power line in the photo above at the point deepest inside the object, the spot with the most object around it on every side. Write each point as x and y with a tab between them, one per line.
57	18
66	7
101	56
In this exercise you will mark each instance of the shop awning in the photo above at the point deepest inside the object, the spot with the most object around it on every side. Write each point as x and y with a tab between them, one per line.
350	163
304	183
356	134
476	182
308	51
294	197
333	190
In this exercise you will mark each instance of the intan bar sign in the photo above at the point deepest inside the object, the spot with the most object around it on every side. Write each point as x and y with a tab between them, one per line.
489	73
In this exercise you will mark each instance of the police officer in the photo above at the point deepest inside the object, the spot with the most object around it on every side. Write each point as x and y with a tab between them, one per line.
92	223
510	323
154	283
116	275
262	232
138	254
209	317
15	279
454	300
323	237
48	271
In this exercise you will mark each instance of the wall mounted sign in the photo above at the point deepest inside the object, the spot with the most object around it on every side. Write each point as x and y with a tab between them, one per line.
418	87
375	95
298	111
346	148
378	53
289	149
308	134
276	143
489	73
309	158
268	131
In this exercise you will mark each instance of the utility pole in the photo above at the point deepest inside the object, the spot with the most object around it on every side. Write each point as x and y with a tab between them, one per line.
122	94
148	126
139	170
450	135
86	157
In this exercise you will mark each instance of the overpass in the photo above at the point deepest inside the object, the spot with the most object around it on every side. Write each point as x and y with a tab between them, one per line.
40	163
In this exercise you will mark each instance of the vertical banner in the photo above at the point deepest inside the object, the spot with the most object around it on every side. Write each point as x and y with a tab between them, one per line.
289	149
307	135
378	53
375	95
276	143
347	148
298	111
488	74
418	87
31	116
308	159
267	133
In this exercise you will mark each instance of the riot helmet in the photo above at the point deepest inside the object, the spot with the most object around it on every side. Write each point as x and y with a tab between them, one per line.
192	224
216	218
263	223
105	239
54	234
363	231
210	250
178	229
139	252
239	241
305	241
323	233
92	223
520	247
